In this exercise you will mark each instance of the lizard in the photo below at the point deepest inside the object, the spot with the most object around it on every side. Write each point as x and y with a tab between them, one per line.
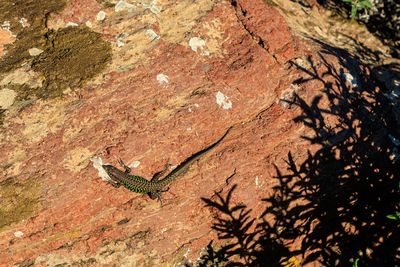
156	186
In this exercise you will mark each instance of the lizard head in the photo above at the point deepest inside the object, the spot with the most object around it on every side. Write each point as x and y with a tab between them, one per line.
112	171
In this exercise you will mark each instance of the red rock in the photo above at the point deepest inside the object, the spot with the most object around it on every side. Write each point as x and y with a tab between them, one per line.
126	113
5	38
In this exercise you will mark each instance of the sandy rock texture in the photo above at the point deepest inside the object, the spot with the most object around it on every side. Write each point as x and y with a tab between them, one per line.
178	75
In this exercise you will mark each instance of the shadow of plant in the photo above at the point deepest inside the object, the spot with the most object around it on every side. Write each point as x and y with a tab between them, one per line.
335	203
248	242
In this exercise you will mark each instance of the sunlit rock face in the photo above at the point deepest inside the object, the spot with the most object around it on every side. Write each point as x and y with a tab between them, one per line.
86	83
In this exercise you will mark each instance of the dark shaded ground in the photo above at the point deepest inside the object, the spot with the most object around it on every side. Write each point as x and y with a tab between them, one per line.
383	20
337	200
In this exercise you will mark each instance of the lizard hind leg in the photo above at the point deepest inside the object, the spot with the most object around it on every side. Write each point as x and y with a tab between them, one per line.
156	195
159	174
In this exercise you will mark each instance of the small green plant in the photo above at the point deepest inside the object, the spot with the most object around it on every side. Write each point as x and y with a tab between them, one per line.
357	5
395	216
355	264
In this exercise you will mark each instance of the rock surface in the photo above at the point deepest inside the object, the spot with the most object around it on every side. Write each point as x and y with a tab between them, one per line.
180	74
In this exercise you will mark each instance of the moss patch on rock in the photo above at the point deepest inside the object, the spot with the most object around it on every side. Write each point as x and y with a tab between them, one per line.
70	55
19	200
74	55
107	3
33	14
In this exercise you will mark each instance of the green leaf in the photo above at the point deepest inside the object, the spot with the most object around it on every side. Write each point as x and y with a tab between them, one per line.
395	216
365	4
355	264
353	11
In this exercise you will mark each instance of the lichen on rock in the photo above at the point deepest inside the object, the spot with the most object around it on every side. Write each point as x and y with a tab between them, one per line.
67	58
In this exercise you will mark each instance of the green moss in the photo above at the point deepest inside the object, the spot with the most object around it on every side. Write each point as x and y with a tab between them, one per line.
70	55
179	258
31	10
2	115
23	90
75	55
106	3
270	3
19	200
36	13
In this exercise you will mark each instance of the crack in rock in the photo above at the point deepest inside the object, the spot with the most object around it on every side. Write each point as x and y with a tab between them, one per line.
241	13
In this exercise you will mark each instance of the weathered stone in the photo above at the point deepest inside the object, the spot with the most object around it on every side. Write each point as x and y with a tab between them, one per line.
158	101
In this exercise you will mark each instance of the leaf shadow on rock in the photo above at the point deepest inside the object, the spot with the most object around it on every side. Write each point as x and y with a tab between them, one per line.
332	207
248	242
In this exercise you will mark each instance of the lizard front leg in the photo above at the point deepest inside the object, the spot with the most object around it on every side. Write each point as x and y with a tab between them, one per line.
123	165
114	183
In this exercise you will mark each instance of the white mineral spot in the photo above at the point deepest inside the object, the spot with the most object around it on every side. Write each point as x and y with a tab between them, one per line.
396	92
304	63
162	79
134	164
152	34
348	77
223	101
40	258
196	105
88	24
67	91
153	7
186	254
6	25
98	165
120	37
122	5
7	98
205	53
18	234
394	156
188	129
257	180
119	43
71	24
288	96
196	43
394	140
101	15
35	51
24	22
